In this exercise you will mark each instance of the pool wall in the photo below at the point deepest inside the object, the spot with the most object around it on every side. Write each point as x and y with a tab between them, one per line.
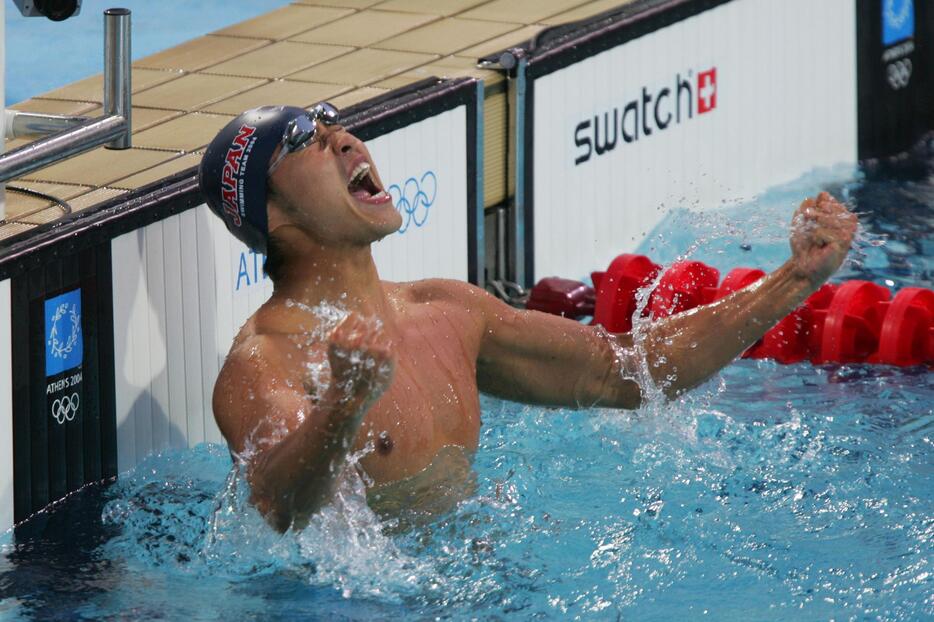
62	371
6	408
118	317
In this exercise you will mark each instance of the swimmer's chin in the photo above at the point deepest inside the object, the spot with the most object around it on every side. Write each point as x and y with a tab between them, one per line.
383	217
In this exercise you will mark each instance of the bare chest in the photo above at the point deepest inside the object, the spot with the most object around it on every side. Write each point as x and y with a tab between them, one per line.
432	403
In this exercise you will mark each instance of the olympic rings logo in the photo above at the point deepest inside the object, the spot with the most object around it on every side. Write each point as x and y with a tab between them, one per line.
62	348
899	73
65	408
414	198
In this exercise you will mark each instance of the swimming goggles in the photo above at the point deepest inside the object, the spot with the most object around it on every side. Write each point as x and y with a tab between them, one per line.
302	130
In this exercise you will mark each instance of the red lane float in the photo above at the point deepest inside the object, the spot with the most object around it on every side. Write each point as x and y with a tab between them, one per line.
907	333
616	290
737	279
848	323
851	323
563	297
685	285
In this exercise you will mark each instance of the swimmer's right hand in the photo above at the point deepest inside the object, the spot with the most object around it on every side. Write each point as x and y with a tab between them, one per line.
361	358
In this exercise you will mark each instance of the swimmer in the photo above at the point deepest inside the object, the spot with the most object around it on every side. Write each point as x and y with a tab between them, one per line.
405	365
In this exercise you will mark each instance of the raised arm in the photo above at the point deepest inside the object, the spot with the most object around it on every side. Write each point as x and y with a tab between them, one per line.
533	357
705	339
294	443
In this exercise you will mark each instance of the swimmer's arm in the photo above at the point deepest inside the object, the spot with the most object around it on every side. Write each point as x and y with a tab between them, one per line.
533	357
294	478
686	349
538	358
294	450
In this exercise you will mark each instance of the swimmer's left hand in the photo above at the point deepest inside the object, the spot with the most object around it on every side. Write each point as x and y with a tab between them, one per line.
822	231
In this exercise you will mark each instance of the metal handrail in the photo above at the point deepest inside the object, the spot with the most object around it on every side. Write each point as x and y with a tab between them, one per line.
112	129
18	124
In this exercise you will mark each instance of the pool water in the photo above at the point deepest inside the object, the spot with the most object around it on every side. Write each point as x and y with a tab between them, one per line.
771	492
42	55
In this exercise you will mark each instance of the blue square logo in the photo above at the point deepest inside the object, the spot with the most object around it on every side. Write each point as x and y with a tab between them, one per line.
898	20
64	345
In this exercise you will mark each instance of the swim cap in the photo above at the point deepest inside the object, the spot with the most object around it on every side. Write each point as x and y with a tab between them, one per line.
235	166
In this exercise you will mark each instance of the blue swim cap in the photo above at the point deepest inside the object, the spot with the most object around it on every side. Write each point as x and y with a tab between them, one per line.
235	166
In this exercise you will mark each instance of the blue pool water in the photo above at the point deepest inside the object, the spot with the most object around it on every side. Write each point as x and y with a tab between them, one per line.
42	55
772	492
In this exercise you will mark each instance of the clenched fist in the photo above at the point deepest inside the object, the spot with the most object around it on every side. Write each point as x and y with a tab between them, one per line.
361	358
821	233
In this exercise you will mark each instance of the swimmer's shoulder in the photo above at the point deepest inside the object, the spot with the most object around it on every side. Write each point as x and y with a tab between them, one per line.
272	331
256	355
436	291
276	320
254	361
264	350
473	305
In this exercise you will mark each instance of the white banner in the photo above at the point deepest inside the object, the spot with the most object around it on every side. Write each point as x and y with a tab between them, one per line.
6	408
717	107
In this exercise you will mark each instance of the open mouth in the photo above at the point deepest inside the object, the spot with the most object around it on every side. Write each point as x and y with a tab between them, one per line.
364	188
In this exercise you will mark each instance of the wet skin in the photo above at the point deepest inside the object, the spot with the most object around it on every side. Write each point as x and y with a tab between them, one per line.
404	368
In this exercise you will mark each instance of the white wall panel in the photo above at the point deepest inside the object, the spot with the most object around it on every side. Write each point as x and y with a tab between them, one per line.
425	161
127	256
208	284
176	377
191	324
786	103
158	352
6	408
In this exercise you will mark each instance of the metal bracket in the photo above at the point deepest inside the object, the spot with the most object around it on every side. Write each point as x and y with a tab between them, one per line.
113	128
512	293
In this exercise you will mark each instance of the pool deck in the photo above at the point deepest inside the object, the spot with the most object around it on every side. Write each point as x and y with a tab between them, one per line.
345	51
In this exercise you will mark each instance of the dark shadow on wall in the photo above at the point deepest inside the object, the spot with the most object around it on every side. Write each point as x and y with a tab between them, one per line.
148	424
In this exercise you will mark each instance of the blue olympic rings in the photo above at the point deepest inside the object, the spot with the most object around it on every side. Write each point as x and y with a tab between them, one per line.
413	199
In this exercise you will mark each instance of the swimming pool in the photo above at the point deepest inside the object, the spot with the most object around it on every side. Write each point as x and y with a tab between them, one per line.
770	492
42	55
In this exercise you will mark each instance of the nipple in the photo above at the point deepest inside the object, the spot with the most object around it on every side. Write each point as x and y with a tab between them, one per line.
384	443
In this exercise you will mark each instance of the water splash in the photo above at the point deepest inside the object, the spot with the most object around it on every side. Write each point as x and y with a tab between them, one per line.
347	544
763	223
169	521
631	364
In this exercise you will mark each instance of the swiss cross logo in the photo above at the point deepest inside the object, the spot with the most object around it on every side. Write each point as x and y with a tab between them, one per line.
706	90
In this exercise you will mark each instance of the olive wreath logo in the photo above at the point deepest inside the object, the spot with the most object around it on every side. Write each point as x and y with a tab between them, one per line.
61	348
897	18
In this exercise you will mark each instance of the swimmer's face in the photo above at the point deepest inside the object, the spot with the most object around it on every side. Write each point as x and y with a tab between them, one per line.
332	190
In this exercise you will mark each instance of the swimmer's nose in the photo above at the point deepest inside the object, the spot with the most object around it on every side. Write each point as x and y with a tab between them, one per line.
345	143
